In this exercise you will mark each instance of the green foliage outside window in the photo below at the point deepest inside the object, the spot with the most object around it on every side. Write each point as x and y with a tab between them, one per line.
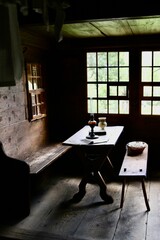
150	81
107	82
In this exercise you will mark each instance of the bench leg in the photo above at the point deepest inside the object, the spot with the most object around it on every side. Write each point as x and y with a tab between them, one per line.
122	194
145	195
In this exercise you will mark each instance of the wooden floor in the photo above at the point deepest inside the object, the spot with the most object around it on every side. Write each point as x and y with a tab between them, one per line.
53	216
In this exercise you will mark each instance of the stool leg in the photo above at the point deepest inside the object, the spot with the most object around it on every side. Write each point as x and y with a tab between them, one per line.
145	195
122	194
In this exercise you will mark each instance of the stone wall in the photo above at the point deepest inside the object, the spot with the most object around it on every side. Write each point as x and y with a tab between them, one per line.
20	136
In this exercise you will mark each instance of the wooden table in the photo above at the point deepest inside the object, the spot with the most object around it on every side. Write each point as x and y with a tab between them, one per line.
95	154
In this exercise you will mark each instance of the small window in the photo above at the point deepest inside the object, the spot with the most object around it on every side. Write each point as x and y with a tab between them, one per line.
36	91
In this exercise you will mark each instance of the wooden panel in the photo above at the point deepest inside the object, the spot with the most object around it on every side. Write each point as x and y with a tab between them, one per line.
81	30
114	28
145	26
35	38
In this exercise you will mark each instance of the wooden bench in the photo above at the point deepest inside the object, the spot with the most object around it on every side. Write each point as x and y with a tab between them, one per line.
42	158
15	179
14	188
135	166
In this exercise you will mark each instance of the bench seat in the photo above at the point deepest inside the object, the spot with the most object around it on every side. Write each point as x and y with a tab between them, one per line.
42	158
135	166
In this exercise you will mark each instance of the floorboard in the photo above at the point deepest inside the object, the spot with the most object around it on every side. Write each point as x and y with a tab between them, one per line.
153	223
54	216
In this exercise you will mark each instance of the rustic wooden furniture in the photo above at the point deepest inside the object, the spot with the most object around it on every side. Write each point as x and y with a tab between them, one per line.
43	157
96	153
14	188
135	166
15	179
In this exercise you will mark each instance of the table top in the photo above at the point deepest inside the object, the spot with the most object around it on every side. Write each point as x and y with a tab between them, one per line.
109	139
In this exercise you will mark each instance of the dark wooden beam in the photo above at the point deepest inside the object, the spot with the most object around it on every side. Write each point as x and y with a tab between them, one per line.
82	10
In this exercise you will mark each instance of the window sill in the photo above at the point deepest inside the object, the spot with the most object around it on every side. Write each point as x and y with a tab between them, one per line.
38	117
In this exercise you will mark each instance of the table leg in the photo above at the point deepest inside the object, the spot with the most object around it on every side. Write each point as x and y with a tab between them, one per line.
99	180
92	165
92	174
82	189
103	189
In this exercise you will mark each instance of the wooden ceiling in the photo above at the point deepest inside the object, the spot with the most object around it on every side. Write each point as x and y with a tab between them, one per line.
113	27
92	19
104	28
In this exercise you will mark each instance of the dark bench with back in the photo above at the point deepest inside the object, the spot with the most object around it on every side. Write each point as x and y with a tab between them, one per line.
15	179
14	188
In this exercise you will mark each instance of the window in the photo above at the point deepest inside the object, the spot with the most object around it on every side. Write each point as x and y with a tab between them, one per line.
150	83
108	82
36	92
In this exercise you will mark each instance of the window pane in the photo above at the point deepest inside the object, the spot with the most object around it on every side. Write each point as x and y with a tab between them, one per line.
107	71
113	59
146	107
91	74
147	91
122	91
156	107
113	91
102	74
35	84
124	59
124	106
146	74
156	91
34	110
34	70
91	59
30	86
146	58
156	74
94	106
113	106
124	74
102	106
92	90
156	58
102	90
38	66
113	74
33	99
102	59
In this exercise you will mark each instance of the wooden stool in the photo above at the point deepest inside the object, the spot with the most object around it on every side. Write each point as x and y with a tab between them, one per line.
135	166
